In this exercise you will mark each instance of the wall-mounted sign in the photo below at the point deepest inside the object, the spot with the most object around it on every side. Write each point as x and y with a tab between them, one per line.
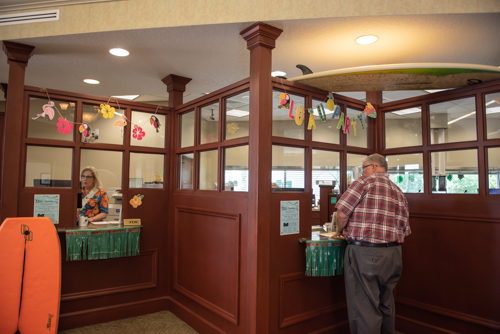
289	217
47	206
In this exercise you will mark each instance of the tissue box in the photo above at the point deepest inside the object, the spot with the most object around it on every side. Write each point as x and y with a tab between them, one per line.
132	222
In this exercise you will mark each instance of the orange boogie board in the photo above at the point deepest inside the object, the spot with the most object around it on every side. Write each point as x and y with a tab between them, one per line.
30	276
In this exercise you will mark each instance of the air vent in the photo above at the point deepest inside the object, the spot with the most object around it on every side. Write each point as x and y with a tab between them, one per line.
31	17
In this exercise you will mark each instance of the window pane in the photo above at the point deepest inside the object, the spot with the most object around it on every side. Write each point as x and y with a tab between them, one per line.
236	169
326	132
107	132
453	121
209	126
153	126
494	170
146	170
455	172
284	126
185	171
48	166
44	119
354	170
492	106
360	140
288	167
237	116
109	166
406	171
208	170
403	128
325	167
187	129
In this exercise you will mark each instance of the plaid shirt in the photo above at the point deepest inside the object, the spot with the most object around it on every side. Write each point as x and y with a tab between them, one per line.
377	210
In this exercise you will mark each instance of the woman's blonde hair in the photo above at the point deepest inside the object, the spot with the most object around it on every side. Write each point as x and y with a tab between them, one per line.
97	182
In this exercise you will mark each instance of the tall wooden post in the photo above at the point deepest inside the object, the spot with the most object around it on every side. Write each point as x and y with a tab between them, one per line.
18	56
261	39
176	86
377	128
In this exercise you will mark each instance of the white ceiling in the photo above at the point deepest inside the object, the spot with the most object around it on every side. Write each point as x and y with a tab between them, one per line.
215	56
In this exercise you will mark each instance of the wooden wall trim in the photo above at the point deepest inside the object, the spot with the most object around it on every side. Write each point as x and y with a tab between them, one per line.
465	218
341	327
298	318
124	288
421	327
176	306
449	313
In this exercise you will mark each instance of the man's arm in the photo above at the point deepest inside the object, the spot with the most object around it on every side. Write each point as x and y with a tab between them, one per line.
342	219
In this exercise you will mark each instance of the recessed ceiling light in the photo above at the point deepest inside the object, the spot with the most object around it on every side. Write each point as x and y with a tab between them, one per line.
119	52
278	74
237	113
126	97
366	39
91	81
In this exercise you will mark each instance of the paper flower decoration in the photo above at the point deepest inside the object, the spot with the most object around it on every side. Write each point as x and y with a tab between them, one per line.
138	133
136	201
284	101
107	111
47	111
370	111
155	122
63	126
232	127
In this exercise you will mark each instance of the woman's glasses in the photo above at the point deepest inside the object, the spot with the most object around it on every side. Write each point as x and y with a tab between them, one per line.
87	177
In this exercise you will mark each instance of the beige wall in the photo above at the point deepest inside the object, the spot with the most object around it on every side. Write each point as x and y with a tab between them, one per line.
142	14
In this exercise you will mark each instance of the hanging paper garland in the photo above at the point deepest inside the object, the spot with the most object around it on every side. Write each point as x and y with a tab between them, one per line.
47	111
370	110
299	115
312	123
284	102
291	110
121	123
136	201
138	133
360	117
353	123
330	104
336	111
86	131
155	122
232	127
365	120
321	112
341	121
347	125
63	126
107	111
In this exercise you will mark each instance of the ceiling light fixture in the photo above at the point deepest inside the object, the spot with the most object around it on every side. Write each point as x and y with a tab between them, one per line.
126	97
64	105
366	39
237	113
91	81
119	52
278	74
212	115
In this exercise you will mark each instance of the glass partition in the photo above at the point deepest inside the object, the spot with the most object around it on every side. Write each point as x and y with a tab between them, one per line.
209	124
282	125
455	172
492	107
325	169
407	172
109	167
48	166
237	115
53	119
151	132
186	122
146	170
361	137
236	169
326	132
354	170
101	130
403	127
186	168
453	121
494	170
208	170
287	168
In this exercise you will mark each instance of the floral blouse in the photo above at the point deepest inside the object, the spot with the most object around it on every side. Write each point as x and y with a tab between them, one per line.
95	205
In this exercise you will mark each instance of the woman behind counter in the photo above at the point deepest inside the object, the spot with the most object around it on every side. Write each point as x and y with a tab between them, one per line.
95	200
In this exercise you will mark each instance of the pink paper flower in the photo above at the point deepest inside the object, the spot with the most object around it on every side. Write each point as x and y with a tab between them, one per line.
63	126
138	133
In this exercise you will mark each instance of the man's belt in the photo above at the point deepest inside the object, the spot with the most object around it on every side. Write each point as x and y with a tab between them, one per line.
371	244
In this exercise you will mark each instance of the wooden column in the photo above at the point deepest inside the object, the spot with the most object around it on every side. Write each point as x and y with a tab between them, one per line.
176	86
376	126
261	39
18	56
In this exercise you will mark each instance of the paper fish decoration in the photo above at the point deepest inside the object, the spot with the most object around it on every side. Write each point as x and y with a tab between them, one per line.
154	121
47	110
284	101
330	104
86	131
370	111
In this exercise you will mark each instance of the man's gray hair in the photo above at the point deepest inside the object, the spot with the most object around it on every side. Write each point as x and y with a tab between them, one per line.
376	159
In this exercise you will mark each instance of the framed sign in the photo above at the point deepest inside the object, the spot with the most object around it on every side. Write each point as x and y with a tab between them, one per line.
47	206
44	178
289	217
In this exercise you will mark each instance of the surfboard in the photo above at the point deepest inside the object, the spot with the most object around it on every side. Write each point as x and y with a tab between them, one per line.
30	276
410	76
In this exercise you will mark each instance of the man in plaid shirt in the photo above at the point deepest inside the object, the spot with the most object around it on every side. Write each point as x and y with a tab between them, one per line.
372	215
